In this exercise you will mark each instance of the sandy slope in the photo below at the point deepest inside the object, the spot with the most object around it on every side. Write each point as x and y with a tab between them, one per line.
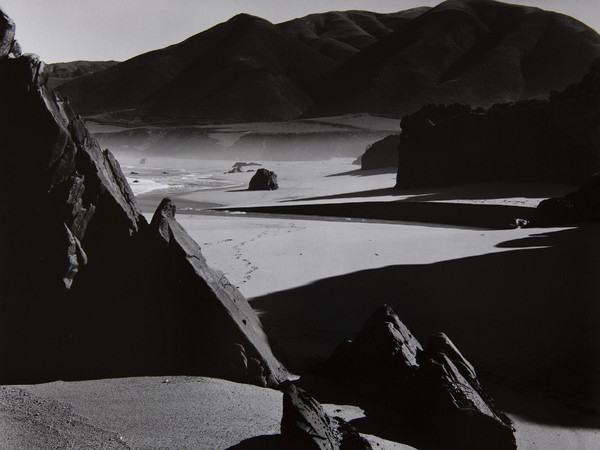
147	413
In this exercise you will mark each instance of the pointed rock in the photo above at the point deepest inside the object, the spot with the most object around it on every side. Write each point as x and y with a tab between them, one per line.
434	394
305	425
113	296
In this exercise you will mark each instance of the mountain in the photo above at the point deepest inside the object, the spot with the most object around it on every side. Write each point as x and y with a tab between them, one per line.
243	69
477	52
339	35
60	73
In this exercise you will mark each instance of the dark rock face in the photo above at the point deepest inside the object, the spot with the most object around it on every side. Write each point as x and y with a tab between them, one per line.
434	394
305	425
263	180
89	288
7	31
557	140
583	205
381	154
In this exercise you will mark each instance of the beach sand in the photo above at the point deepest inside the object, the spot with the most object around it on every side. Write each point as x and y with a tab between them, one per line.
521	304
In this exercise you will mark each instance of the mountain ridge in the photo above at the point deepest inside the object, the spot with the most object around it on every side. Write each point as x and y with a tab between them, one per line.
249	70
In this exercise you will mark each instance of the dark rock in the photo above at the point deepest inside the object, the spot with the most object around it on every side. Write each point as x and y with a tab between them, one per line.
305	425
263	180
384	346
7	31
113	295
454	405
381	154
555	140
583	205
434	395
238	167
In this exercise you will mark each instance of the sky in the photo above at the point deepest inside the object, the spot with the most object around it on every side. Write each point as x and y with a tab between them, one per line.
67	30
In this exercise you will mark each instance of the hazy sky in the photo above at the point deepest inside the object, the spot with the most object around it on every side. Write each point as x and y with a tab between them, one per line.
66	30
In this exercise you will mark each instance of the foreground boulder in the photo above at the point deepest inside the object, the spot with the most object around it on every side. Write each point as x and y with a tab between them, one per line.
305	425
583	205
89	288
434	394
263	180
555	140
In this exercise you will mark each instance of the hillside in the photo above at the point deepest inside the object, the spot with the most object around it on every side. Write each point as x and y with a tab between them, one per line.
243	69
63	72
477	52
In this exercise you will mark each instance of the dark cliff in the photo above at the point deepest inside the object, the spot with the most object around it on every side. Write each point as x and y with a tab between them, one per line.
89	288
554	140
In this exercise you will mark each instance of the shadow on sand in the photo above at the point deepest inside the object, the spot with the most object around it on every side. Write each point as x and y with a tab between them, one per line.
527	317
489	191
266	442
455	214
364	173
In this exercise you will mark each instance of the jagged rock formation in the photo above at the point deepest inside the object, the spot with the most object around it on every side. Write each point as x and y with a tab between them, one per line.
433	394
556	140
478	52
89	288
305	425
583	205
8	44
381	154
263	180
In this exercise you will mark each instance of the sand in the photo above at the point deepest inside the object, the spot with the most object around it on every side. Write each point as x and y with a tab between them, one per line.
519	303
148	413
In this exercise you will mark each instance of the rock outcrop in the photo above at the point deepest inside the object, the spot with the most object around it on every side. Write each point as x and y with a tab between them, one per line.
583	205
239	167
381	154
305	425
89	288
263	180
555	140
433	394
